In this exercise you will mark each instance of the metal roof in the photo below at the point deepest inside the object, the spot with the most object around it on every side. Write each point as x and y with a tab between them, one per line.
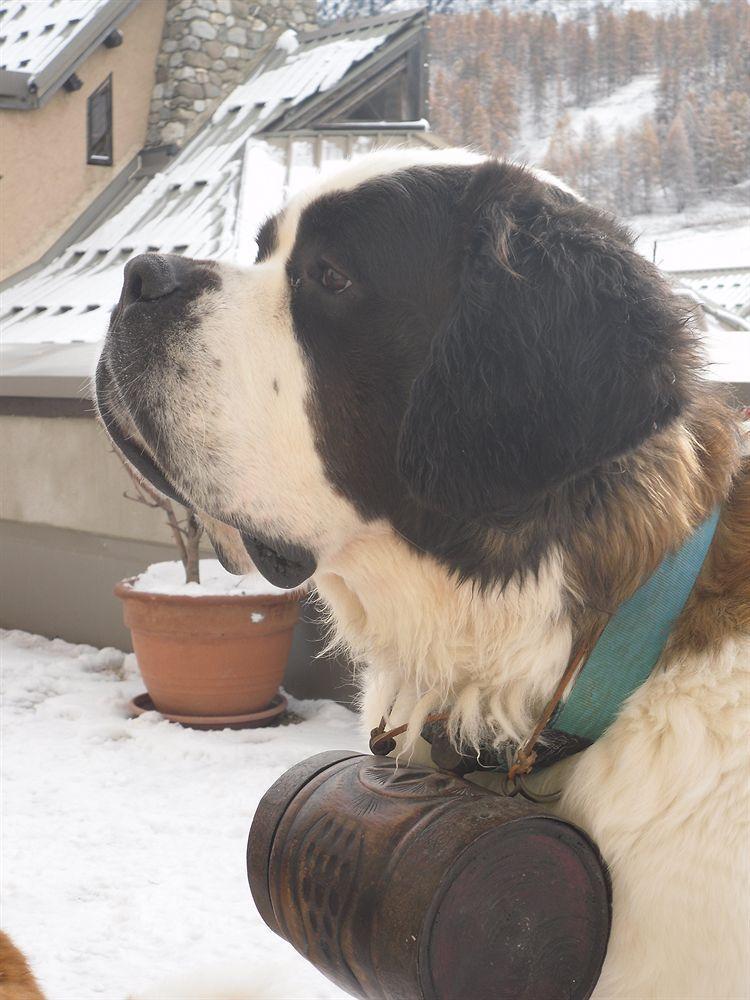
211	198
293	78
42	42
728	288
295	89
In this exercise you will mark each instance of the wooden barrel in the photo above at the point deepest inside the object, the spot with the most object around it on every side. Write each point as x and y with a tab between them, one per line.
405	882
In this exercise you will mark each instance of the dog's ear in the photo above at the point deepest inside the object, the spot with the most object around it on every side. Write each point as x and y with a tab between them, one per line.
564	349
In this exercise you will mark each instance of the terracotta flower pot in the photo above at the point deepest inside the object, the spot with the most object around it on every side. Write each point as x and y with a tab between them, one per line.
213	655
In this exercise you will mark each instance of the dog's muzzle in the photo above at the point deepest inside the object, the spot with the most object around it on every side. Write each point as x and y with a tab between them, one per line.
153	317
124	442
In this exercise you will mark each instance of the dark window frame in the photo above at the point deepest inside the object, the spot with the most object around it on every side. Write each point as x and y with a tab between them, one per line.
99	148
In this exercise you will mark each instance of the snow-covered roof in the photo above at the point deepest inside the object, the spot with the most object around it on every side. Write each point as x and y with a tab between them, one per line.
728	288
210	204
706	249
210	199
42	41
297	75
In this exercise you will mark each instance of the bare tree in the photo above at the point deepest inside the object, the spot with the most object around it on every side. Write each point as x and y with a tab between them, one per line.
186	531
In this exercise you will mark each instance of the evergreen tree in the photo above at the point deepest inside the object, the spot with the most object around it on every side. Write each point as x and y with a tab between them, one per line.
624	179
690	115
678	166
637	43
503	109
738	109
538	83
591	161
562	157
667	95
608	50
583	65
719	143
648	162
480	130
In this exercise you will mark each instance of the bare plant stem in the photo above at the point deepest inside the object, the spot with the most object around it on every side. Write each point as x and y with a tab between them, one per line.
193	533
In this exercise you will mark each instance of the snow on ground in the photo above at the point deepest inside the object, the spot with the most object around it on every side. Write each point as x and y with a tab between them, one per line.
169	578
124	839
714	234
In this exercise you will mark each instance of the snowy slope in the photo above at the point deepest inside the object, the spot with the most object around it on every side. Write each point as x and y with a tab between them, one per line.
716	247
713	234
623	108
124	839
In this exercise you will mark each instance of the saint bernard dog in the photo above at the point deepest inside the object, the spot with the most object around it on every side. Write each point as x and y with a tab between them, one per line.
453	395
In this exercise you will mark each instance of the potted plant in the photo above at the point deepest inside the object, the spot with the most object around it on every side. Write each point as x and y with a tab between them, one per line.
211	647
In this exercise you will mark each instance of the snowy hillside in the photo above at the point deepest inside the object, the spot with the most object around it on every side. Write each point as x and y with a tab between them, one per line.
623	108
712	235
641	107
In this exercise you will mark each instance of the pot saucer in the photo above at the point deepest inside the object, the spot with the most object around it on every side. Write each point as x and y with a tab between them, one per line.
251	720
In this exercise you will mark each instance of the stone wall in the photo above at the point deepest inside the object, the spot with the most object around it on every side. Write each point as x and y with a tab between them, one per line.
207	48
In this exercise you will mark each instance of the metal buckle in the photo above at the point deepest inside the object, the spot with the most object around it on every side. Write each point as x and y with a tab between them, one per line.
517	784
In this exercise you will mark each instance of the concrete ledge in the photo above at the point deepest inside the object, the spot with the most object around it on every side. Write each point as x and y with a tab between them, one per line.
45	406
52	371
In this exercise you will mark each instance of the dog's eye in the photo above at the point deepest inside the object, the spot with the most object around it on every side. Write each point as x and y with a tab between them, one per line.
333	280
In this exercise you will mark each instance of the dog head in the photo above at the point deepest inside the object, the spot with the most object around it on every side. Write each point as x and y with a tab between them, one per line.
437	343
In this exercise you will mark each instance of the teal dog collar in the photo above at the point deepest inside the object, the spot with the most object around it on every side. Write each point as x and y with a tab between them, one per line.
625	654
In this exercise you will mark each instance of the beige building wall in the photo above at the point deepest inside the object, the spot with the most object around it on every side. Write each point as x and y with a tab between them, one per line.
62	472
45	181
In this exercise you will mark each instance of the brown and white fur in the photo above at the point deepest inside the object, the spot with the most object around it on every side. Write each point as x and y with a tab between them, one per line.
17	981
472	603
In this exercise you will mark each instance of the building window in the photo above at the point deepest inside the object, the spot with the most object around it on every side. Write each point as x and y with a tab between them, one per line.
100	125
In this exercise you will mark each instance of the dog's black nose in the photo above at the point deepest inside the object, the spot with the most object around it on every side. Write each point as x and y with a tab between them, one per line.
148	276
